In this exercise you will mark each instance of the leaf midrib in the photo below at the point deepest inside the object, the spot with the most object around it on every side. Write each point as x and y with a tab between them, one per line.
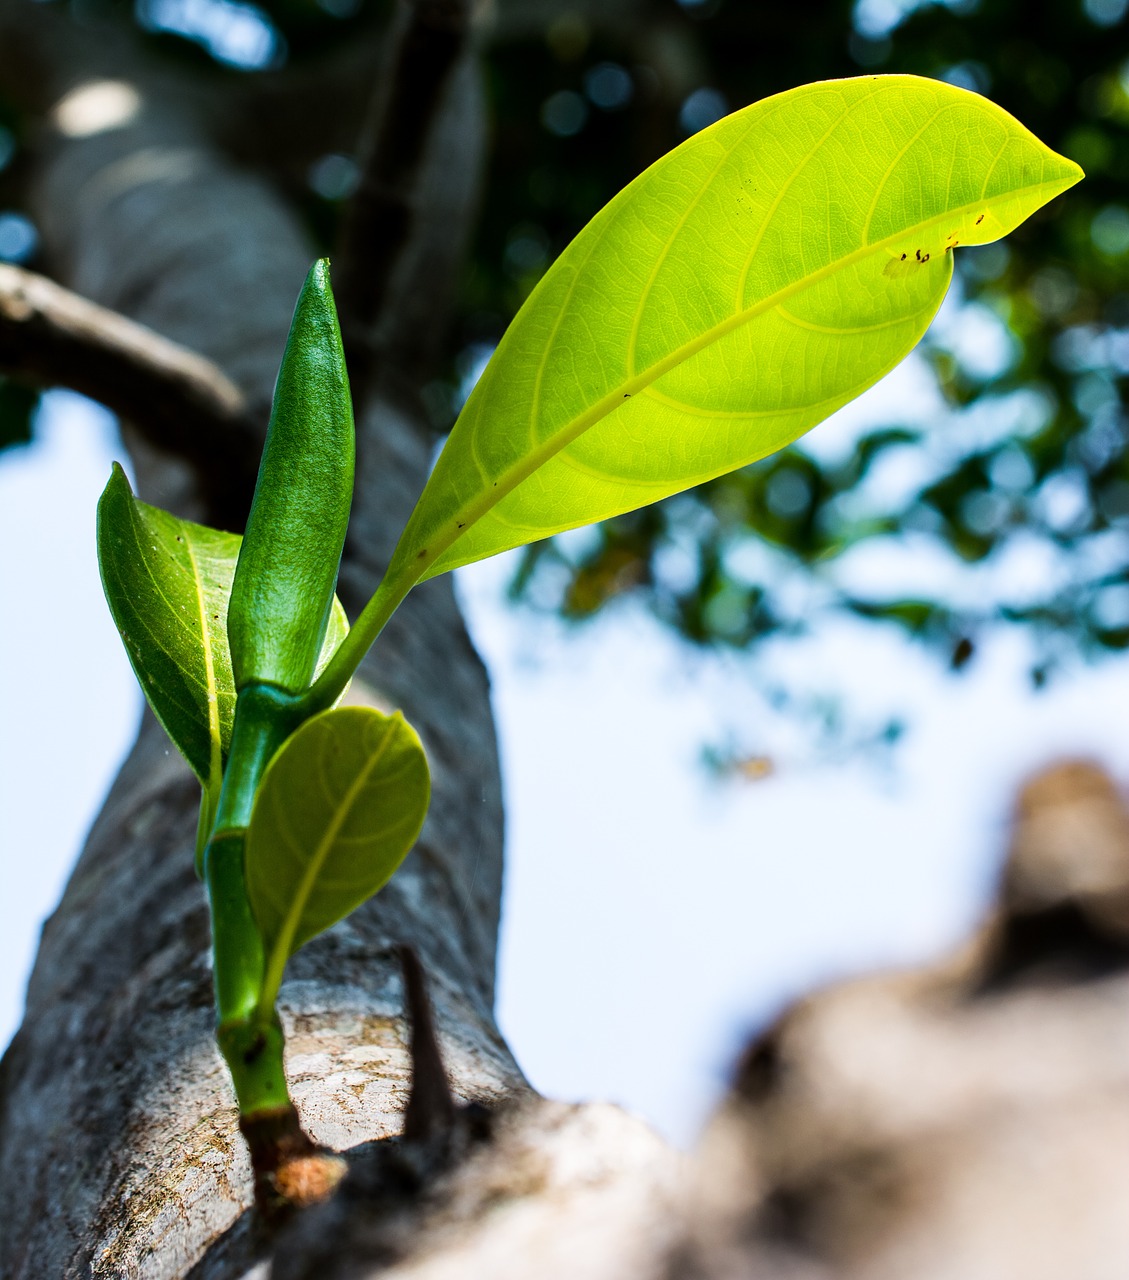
509	479
215	742
144	621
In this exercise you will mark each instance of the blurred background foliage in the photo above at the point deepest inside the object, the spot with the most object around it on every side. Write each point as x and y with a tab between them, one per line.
997	494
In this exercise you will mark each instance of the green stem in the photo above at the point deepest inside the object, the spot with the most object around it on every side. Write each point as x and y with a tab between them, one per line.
265	716
330	685
236	945
251	1045
249	1038
253	1053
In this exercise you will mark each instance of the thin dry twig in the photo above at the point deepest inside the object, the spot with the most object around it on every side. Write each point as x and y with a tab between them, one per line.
431	1109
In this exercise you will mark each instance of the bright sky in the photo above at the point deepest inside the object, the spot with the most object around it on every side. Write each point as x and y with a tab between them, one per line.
653	913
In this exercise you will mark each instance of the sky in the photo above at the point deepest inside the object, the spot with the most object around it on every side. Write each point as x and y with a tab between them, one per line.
655	913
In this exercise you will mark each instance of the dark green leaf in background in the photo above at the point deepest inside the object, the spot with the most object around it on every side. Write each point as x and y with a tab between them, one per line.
17	408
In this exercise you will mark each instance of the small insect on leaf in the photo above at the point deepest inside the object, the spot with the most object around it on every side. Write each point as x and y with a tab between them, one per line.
338	809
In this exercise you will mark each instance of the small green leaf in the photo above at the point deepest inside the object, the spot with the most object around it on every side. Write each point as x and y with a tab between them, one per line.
167	583
739	291
283	591
337	810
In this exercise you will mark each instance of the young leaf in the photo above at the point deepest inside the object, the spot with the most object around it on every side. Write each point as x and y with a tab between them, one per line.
337	810
283	590
167	583
740	290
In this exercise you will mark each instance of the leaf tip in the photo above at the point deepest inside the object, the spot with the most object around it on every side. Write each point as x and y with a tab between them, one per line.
318	277
117	486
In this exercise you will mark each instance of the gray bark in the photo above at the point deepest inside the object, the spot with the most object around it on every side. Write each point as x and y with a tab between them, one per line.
120	1152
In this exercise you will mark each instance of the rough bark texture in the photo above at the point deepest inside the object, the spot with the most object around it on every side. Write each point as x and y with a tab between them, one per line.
120	1152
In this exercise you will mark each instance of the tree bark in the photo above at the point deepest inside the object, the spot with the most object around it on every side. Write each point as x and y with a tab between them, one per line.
120	1151
968	1119
119	1148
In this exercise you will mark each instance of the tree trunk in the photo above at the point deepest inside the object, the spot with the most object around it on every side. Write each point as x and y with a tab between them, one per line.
120	1149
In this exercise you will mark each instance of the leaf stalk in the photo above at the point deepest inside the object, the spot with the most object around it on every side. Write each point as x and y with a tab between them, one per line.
330	685
250	1038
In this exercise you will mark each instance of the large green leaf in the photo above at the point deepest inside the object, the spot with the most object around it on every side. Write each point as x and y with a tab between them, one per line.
337	810
167	582
740	290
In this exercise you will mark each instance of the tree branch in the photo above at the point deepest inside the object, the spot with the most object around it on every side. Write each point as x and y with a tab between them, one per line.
427	44
177	399
431	1108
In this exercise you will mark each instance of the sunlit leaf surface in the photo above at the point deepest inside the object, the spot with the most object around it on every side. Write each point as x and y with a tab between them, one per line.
338	808
740	290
